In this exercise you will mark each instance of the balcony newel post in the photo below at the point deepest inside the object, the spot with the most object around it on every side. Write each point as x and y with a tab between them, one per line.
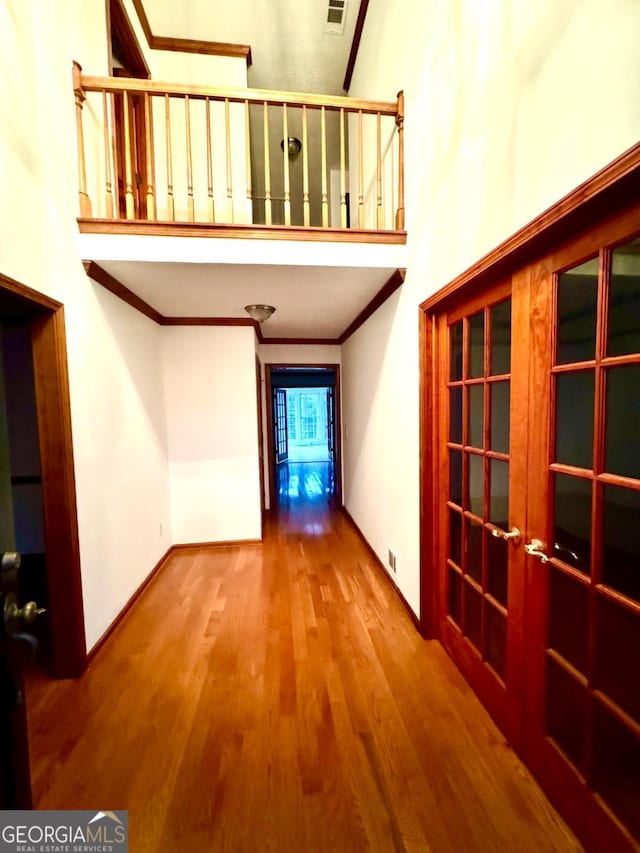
80	96
400	126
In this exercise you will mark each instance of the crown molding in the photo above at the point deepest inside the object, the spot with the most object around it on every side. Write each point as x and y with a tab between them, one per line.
355	44
616	184
181	45
95	272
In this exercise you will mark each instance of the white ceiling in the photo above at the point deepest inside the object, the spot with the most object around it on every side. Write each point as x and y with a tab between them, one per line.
290	49
316	302
318	289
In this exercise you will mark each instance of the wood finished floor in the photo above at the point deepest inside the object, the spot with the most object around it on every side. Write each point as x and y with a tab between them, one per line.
277	697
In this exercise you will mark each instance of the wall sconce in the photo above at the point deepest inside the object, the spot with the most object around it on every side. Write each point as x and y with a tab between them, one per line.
260	313
294	146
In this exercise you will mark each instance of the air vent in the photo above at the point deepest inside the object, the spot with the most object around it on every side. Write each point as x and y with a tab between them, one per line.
336	14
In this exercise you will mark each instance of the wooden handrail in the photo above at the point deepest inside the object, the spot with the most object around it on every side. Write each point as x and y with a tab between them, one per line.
346	151
253	96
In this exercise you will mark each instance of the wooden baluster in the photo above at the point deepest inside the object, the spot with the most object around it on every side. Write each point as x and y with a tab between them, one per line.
150	159
187	116
379	213
118	212
400	126
128	164
343	174
212	212
360	173
285	167
108	199
247	143
306	206
267	168
229	173
325	198
170	201
80	95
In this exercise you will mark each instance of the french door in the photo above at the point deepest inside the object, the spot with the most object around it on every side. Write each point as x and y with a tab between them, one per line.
539	515
280	421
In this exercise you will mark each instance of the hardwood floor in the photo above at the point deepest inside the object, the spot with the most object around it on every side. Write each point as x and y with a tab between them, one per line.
305	483
276	697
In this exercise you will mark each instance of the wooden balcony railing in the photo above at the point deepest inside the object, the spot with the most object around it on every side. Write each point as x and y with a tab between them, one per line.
154	152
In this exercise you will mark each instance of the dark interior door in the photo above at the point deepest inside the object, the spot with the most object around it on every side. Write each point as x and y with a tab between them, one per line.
17	648
280	420
330	421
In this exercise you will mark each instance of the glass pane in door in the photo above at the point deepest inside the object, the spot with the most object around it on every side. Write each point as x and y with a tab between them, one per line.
592	708
624	300
479	479
576	313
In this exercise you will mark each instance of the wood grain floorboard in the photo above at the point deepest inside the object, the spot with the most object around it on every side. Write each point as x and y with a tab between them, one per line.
276	697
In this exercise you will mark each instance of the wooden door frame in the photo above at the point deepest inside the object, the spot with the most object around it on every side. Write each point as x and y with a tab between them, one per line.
271	455
263	505
609	190
120	26
611	193
53	408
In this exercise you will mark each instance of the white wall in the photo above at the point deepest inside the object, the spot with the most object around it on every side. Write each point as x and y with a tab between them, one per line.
212	422
509	105
115	385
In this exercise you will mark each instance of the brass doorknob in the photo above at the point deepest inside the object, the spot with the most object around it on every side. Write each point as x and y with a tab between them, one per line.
28	614
512	536
535	548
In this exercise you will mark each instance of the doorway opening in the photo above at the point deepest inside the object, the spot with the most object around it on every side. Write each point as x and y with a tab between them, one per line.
37	517
304	435
37	481
131	115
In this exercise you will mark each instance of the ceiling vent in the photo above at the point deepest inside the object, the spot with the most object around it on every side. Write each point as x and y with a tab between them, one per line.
336	14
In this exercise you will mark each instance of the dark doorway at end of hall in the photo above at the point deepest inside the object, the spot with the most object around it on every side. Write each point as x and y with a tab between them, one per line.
304	435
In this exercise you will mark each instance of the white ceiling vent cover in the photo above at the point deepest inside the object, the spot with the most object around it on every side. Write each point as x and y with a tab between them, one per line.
336	14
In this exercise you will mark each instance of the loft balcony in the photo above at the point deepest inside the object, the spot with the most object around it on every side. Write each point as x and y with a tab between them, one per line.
173	155
251	168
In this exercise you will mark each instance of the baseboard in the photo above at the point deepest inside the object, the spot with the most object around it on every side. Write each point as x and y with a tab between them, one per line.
381	566
231	543
136	595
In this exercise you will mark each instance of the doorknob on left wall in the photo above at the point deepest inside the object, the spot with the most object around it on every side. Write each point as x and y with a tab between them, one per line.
16	617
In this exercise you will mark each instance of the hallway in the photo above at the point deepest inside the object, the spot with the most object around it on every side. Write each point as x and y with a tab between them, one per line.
305	484
277	697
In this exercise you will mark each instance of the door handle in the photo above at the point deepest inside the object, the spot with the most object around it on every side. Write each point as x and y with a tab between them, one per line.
512	536
535	548
14	614
10	561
